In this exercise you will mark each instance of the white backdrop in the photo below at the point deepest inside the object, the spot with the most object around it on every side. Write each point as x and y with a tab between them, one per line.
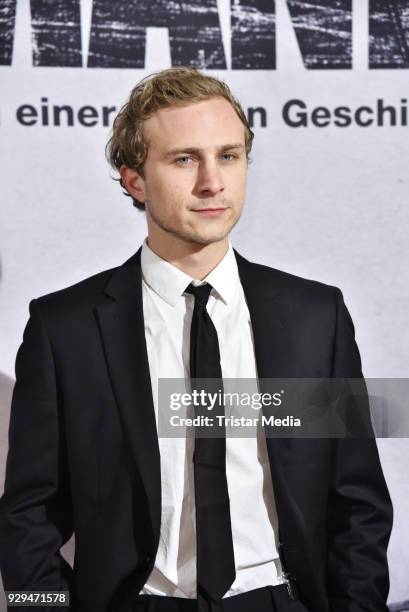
327	203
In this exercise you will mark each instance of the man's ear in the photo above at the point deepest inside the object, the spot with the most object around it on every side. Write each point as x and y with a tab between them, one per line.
133	183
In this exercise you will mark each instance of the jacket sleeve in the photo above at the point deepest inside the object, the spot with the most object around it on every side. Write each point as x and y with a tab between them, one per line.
359	512
35	510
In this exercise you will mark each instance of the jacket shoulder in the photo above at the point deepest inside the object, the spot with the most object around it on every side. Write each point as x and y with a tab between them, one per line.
295	286
86	293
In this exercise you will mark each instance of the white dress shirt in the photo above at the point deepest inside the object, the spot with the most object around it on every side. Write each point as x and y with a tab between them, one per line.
167	315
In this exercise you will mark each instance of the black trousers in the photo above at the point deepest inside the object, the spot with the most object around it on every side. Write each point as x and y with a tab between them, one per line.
264	599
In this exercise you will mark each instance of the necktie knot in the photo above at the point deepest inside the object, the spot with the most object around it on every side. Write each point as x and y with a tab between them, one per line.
201	293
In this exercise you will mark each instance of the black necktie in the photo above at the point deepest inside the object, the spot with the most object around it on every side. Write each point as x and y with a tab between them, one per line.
215	556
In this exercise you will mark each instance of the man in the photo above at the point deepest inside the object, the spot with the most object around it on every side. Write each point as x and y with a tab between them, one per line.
216	524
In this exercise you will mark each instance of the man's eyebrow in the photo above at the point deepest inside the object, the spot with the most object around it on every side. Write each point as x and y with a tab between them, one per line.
195	150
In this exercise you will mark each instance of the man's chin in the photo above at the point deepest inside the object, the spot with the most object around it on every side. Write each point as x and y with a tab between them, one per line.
209	235
203	239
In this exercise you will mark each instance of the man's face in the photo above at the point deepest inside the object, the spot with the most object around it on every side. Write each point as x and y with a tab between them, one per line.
195	172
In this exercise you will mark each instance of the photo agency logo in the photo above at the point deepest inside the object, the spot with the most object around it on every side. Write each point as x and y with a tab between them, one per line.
283	407
215	408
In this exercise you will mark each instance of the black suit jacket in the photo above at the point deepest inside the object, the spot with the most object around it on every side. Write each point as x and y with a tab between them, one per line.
84	452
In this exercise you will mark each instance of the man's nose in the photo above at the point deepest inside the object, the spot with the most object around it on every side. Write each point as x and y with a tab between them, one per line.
209	180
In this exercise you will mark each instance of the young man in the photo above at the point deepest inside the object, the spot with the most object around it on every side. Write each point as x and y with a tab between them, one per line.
216	524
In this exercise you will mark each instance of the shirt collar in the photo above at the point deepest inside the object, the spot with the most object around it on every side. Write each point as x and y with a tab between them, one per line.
170	283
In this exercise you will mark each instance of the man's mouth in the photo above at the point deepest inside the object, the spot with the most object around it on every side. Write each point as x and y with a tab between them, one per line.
210	212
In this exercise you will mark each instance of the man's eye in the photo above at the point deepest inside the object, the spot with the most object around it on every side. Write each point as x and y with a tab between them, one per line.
184	160
227	156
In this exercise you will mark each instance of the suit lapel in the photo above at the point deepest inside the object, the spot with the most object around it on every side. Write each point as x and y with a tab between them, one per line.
122	327
270	313
270	320
273	342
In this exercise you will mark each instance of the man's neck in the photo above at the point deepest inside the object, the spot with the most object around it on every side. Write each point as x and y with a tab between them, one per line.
196	260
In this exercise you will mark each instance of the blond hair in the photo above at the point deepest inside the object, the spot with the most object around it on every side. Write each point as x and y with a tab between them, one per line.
172	87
